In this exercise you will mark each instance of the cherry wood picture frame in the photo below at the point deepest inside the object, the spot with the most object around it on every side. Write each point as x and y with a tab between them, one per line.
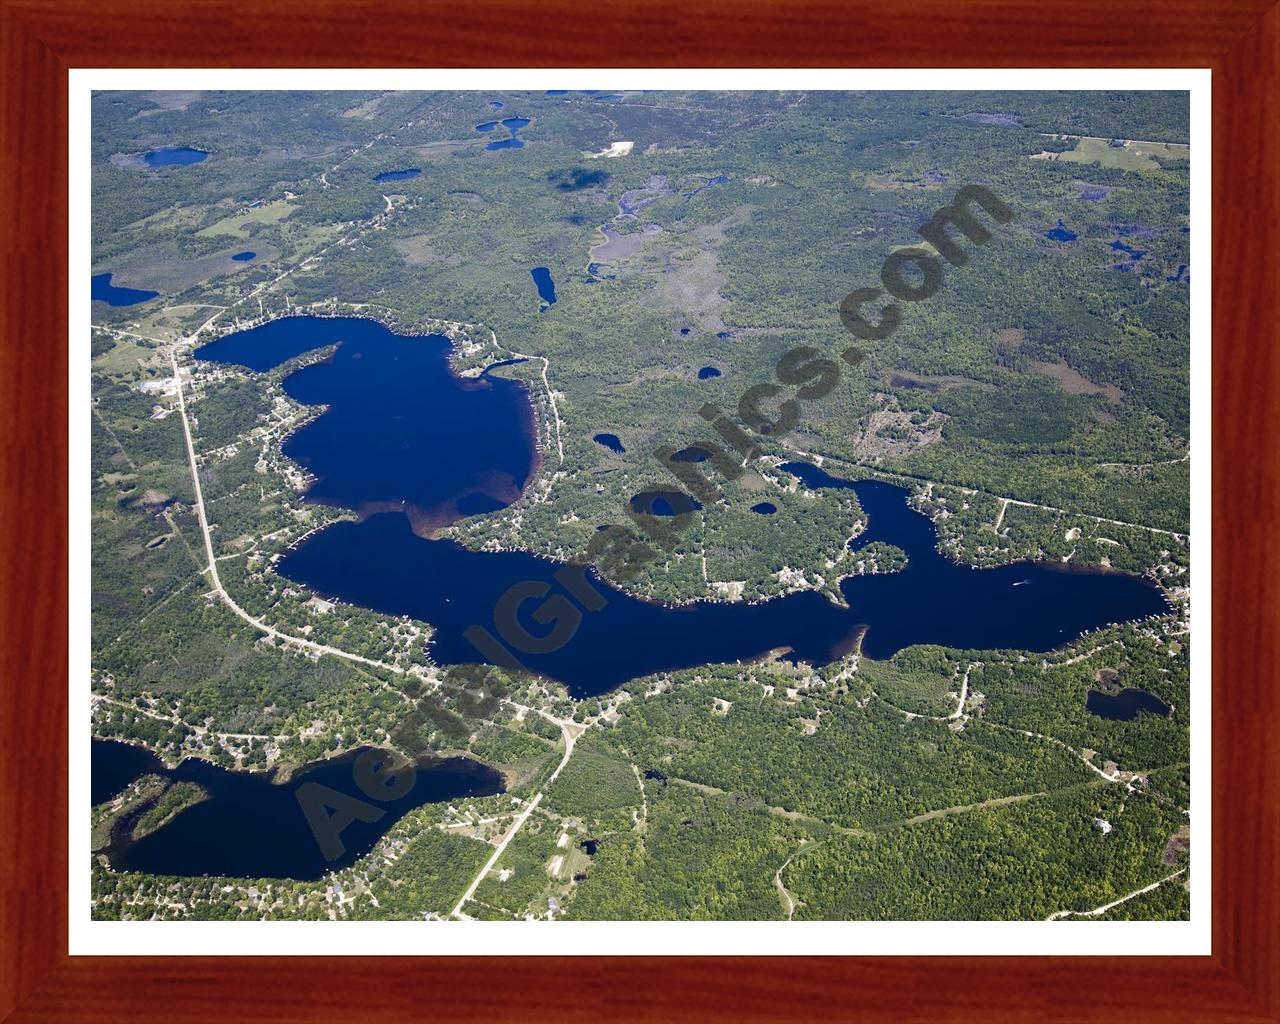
41	39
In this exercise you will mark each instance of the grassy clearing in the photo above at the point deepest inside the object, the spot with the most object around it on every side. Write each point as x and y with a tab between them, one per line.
176	218
1131	156
238	224
125	359
365	110
521	883
306	238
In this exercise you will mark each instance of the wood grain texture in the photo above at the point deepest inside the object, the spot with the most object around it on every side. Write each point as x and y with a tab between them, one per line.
41	39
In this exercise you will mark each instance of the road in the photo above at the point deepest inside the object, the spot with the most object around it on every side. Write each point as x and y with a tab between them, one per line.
212	567
819	459
520	819
199	730
1099	138
1053	739
551	396
1004	507
964	692
957	713
643	821
570	731
1098	911
788	901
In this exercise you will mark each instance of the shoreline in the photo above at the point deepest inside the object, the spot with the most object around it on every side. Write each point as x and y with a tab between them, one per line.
284	772
441	523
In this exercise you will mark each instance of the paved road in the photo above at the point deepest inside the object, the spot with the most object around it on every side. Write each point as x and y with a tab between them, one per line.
570	731
212	567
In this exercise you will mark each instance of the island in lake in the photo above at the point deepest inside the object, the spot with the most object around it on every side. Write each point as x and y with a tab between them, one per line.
494	519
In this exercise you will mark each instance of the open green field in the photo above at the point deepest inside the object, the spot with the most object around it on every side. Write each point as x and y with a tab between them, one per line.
238	224
1127	156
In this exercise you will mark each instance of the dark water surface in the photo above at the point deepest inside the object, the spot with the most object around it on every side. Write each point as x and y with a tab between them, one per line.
511	124
384	390
610	441
401	431
113	295
1134	254
244	257
114	765
253	827
1125	705
404	175
546	286
174	156
1061	233
664	503
382	564
707	183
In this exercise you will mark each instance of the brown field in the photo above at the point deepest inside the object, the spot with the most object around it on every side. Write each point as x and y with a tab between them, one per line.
417	250
167	100
934	385
1074	383
1179	842
155	268
622	247
365	110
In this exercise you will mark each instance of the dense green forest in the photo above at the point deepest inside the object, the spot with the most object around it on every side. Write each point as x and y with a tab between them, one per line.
1036	406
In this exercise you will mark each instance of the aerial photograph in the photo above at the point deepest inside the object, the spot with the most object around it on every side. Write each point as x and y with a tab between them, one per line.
561	505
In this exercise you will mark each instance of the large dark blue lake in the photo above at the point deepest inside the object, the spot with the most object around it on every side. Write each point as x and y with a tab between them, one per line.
402	432
252	826
381	563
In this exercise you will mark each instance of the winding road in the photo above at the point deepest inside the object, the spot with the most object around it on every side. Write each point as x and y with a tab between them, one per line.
1099	911
212	567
